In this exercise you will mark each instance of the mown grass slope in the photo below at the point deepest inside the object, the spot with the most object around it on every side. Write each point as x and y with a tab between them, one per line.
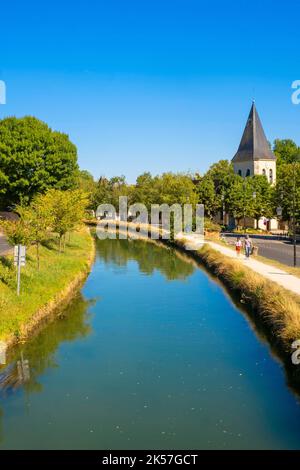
41	290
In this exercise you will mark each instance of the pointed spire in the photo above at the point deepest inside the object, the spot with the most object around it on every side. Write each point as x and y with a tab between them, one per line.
254	144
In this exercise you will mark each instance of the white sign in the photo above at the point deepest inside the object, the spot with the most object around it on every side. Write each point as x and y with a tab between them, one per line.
22	255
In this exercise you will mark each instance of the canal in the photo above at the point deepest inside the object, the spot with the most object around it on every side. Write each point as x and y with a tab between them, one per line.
151	353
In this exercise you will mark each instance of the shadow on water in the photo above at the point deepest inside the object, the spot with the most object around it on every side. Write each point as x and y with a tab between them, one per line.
28	361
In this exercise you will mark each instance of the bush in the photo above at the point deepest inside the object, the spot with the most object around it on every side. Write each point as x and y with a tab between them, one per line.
7	273
210	226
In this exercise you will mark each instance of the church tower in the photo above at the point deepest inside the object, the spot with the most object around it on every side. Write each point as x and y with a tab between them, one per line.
254	155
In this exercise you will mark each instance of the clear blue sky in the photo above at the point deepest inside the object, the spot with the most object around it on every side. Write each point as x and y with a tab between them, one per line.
152	85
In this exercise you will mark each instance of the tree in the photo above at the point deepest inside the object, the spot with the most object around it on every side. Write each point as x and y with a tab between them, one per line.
285	150
18	232
176	188
240	198
39	218
108	191
146	190
222	175
67	210
205	188
262	204
287	194
33	158
85	182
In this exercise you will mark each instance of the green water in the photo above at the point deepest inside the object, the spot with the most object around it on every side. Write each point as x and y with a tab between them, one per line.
152	353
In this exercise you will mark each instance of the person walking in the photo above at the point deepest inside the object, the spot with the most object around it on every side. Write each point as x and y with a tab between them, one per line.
248	246
238	246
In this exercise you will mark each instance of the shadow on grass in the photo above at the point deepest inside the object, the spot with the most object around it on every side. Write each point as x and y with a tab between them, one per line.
6	262
51	244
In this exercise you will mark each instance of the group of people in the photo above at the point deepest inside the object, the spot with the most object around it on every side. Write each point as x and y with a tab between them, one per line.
246	244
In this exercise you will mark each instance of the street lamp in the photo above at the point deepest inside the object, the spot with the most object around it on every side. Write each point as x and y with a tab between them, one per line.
296	160
223	208
279	211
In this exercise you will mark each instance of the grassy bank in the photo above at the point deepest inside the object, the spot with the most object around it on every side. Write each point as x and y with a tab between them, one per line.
271	262
276	308
42	291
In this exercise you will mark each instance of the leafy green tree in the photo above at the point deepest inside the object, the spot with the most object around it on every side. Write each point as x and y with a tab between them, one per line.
285	151
146	190
205	188
33	158
176	188
240	198
222	175
108	191
287	194
17	232
67	209
263	198
38	216
85	182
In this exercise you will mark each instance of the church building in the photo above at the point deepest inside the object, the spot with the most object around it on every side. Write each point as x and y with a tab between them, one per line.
255	157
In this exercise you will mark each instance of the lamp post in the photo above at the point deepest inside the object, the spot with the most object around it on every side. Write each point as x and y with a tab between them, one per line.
296	160
223	208
244	208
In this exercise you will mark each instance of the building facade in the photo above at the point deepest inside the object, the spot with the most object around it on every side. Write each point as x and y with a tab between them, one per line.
255	157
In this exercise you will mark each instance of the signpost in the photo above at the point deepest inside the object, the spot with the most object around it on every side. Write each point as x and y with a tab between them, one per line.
19	260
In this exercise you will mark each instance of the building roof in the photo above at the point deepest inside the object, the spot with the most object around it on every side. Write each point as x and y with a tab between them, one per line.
254	144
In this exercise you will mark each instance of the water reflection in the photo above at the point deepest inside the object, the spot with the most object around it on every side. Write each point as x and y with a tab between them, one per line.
173	265
29	360
188	371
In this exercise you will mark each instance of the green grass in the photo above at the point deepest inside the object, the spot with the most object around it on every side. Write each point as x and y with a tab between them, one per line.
42	290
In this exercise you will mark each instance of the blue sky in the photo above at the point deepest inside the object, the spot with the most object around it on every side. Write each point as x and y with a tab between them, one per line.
152	85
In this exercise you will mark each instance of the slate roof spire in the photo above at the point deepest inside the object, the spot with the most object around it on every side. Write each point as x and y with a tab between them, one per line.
254	144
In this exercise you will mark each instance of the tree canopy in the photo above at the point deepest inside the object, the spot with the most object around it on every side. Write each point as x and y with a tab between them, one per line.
33	158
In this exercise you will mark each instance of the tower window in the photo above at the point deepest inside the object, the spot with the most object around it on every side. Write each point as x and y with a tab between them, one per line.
248	172
264	172
271	175
240	172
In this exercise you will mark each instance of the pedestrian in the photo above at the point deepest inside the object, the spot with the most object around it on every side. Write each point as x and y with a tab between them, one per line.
238	246
248	246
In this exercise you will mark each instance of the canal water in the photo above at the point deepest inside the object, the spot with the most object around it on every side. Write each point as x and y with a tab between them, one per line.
152	353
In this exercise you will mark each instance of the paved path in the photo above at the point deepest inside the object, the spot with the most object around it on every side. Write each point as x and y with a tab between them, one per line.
4	246
279	250
284	279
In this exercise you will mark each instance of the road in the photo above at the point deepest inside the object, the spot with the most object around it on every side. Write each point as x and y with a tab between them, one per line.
4	246
281	251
